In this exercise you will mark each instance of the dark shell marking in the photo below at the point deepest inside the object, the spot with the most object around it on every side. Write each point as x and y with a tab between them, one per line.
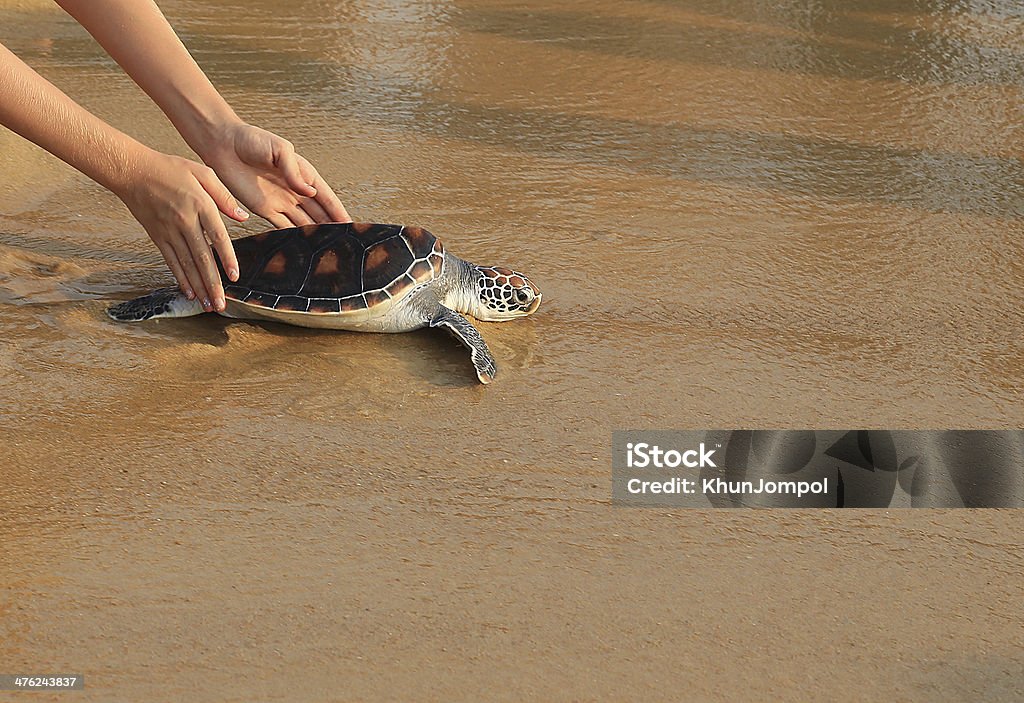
333	268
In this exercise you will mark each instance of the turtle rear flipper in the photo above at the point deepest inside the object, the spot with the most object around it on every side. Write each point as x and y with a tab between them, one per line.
166	302
466	333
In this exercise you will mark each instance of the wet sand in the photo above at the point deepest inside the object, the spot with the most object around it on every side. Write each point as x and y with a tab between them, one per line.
741	215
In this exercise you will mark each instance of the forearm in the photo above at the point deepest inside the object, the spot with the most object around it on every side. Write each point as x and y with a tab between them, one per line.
37	110
137	36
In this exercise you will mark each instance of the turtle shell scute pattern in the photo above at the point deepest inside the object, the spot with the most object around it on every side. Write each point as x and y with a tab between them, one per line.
293	303
324	306
333	268
263	300
375	297
351	304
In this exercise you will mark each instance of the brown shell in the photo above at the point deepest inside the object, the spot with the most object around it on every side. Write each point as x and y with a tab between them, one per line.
333	268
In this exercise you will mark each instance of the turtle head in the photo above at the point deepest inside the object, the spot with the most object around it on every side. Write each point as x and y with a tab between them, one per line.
502	294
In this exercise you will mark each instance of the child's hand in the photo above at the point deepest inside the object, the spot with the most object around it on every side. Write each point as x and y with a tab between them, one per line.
177	201
265	173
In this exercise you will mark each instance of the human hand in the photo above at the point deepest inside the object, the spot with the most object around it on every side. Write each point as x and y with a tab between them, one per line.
264	172
177	201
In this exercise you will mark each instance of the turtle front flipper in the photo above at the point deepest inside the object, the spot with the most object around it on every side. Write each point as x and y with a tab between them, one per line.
466	333
166	302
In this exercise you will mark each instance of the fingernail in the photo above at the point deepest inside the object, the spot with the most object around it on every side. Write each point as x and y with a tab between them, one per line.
233	273
219	303
206	305
189	294
239	212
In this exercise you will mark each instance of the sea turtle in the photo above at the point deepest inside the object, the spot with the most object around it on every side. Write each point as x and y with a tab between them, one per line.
358	276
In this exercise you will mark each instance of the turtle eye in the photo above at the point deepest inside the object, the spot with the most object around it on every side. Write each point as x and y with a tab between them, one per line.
522	296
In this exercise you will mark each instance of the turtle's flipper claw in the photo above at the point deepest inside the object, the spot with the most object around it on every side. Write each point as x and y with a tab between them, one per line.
485	371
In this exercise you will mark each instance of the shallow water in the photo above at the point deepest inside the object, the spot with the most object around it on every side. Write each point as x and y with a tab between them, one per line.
781	214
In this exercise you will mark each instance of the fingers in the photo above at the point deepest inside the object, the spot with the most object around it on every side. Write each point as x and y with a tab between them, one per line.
196	259
330	203
299	217
312	208
215	231
278	219
226	202
287	162
295	216
184	253
306	170
202	256
179	273
325	197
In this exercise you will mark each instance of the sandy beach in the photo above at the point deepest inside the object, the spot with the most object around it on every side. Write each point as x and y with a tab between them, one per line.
767	215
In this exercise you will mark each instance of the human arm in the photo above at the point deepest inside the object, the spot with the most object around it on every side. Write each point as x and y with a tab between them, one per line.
260	168
174	199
